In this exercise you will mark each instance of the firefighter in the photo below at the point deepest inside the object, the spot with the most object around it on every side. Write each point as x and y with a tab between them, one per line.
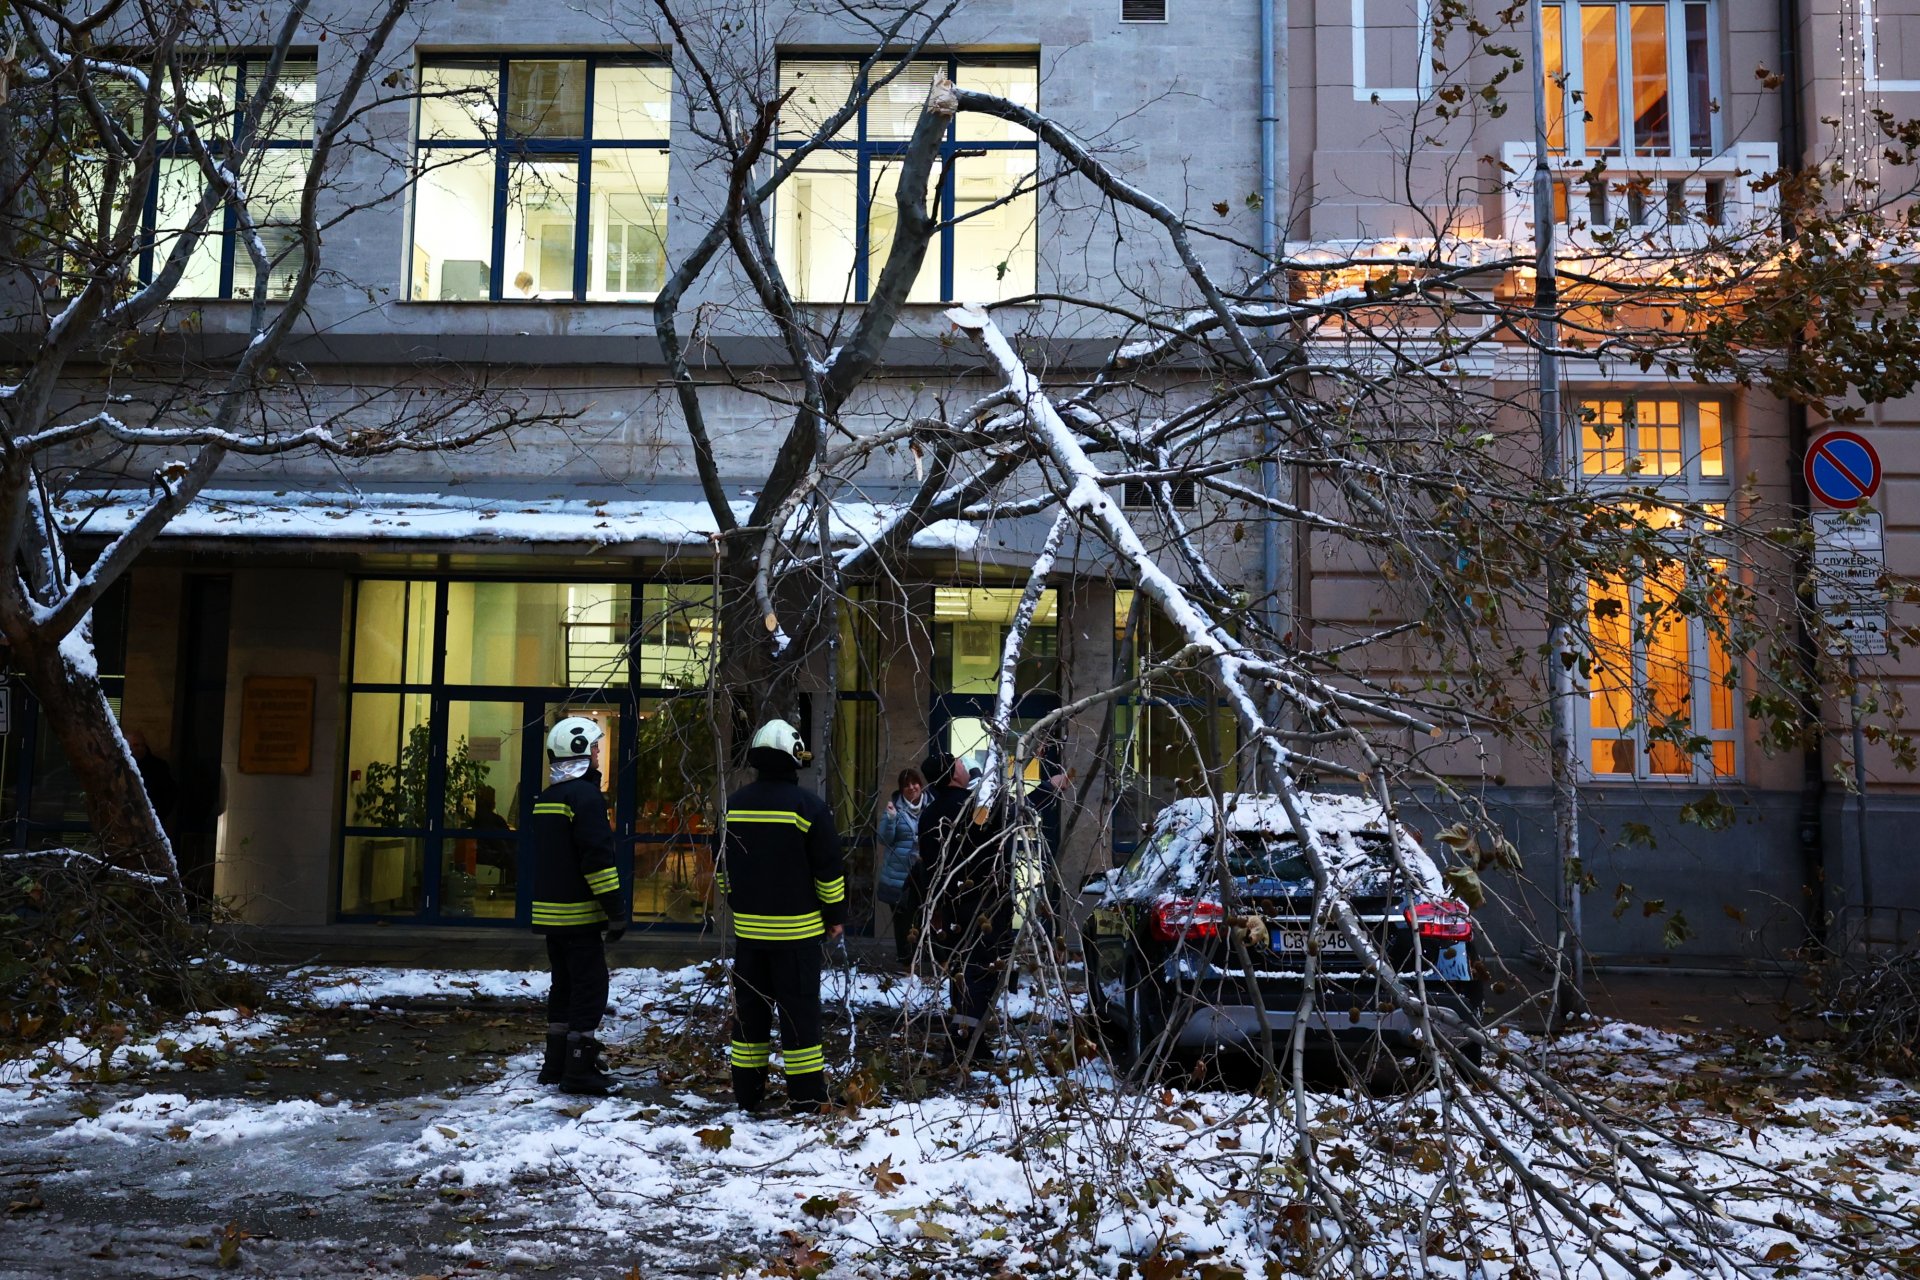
578	903
781	871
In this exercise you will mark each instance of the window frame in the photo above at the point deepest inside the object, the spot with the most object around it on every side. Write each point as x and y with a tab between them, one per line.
1572	60
506	151
1870	52
867	151
1689	485
628	695
171	148
1423	60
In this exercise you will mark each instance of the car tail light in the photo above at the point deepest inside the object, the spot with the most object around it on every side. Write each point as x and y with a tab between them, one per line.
1447	921
1172	919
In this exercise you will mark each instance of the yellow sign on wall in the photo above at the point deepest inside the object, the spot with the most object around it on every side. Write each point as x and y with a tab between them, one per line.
276	724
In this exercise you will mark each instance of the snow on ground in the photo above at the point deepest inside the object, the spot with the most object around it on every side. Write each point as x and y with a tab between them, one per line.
366	988
68	1061
1055	1170
177	1118
1066	1172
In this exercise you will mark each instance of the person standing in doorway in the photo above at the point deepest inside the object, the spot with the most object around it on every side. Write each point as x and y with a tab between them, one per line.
782	874
965	877
899	836
578	903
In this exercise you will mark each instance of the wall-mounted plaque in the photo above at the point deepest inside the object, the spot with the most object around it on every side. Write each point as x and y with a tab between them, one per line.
276	724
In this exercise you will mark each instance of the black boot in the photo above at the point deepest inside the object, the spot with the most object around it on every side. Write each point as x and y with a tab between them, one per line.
583	1073
554	1068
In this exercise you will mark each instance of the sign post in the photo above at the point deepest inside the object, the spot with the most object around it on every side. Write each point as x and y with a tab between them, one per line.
1849	562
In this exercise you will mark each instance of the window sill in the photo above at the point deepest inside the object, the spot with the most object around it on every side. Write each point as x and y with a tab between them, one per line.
525	303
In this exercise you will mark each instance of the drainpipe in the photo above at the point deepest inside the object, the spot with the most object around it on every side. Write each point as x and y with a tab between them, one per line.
1811	823
1277	571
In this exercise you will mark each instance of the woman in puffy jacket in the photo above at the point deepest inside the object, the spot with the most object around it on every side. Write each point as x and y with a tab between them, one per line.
899	837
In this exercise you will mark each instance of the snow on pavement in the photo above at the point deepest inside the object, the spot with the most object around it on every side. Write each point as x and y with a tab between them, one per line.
1058	1171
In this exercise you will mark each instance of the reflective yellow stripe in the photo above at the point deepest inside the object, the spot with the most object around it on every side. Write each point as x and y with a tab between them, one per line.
800	1062
754	1054
831	890
779	816
555	807
605	880
722	881
778	928
562	913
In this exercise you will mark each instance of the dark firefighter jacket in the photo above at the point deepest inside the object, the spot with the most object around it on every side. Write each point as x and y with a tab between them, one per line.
576	887
780	865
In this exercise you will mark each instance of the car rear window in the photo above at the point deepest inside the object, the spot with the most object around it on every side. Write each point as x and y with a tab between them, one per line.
1282	857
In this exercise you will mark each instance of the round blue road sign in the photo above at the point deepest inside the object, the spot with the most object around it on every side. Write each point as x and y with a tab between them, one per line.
1843	469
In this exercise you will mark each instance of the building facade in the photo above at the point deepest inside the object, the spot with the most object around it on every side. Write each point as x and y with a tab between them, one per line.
349	672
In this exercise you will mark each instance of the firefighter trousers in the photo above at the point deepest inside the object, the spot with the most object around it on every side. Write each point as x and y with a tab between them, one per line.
578	963
787	976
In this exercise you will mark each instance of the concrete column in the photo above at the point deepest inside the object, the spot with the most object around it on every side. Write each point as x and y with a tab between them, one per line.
904	683
277	833
1086	656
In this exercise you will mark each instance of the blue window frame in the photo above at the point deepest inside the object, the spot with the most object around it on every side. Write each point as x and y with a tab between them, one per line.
453	683
510	153
279	142
834	217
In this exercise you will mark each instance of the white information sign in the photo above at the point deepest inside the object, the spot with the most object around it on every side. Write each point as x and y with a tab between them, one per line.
1849	560
1861	632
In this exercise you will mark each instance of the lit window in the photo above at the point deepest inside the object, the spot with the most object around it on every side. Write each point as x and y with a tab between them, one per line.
568	201
1660	685
1650	437
1630	79
836	215
218	99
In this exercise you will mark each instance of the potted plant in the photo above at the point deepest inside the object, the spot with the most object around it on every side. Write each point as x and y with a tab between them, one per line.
394	795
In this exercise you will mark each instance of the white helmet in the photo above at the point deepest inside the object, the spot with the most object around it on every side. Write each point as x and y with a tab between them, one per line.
778	735
574	737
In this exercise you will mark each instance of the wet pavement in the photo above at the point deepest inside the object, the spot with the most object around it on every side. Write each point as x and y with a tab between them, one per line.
310	1180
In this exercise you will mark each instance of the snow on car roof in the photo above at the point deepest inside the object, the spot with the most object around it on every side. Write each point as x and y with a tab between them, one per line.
1181	839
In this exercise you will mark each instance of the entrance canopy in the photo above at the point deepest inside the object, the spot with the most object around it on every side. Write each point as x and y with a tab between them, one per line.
614	521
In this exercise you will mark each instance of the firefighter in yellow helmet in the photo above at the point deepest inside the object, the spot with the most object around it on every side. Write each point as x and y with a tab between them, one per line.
781	870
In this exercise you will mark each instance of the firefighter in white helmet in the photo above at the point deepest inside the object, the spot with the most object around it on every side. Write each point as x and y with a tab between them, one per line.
578	903
781	870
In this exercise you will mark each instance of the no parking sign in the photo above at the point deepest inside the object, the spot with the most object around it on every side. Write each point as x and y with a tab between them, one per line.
1843	469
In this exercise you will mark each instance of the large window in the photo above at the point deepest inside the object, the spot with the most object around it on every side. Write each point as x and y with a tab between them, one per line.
836	216
1630	79
279	141
1661	693
541	179
453	686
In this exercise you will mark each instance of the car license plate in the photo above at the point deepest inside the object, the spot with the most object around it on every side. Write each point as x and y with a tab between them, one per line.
1326	940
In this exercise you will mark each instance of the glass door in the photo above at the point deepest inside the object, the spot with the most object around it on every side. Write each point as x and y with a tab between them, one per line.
487	789
672	770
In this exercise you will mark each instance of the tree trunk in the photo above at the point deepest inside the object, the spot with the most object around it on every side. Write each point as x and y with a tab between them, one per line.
764	684
126	830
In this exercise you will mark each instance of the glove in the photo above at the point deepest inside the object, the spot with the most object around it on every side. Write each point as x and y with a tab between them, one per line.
616	930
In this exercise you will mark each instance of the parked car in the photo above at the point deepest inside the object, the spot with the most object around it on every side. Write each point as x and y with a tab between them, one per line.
1161	967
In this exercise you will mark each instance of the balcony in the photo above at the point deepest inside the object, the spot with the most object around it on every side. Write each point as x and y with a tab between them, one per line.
1610	204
